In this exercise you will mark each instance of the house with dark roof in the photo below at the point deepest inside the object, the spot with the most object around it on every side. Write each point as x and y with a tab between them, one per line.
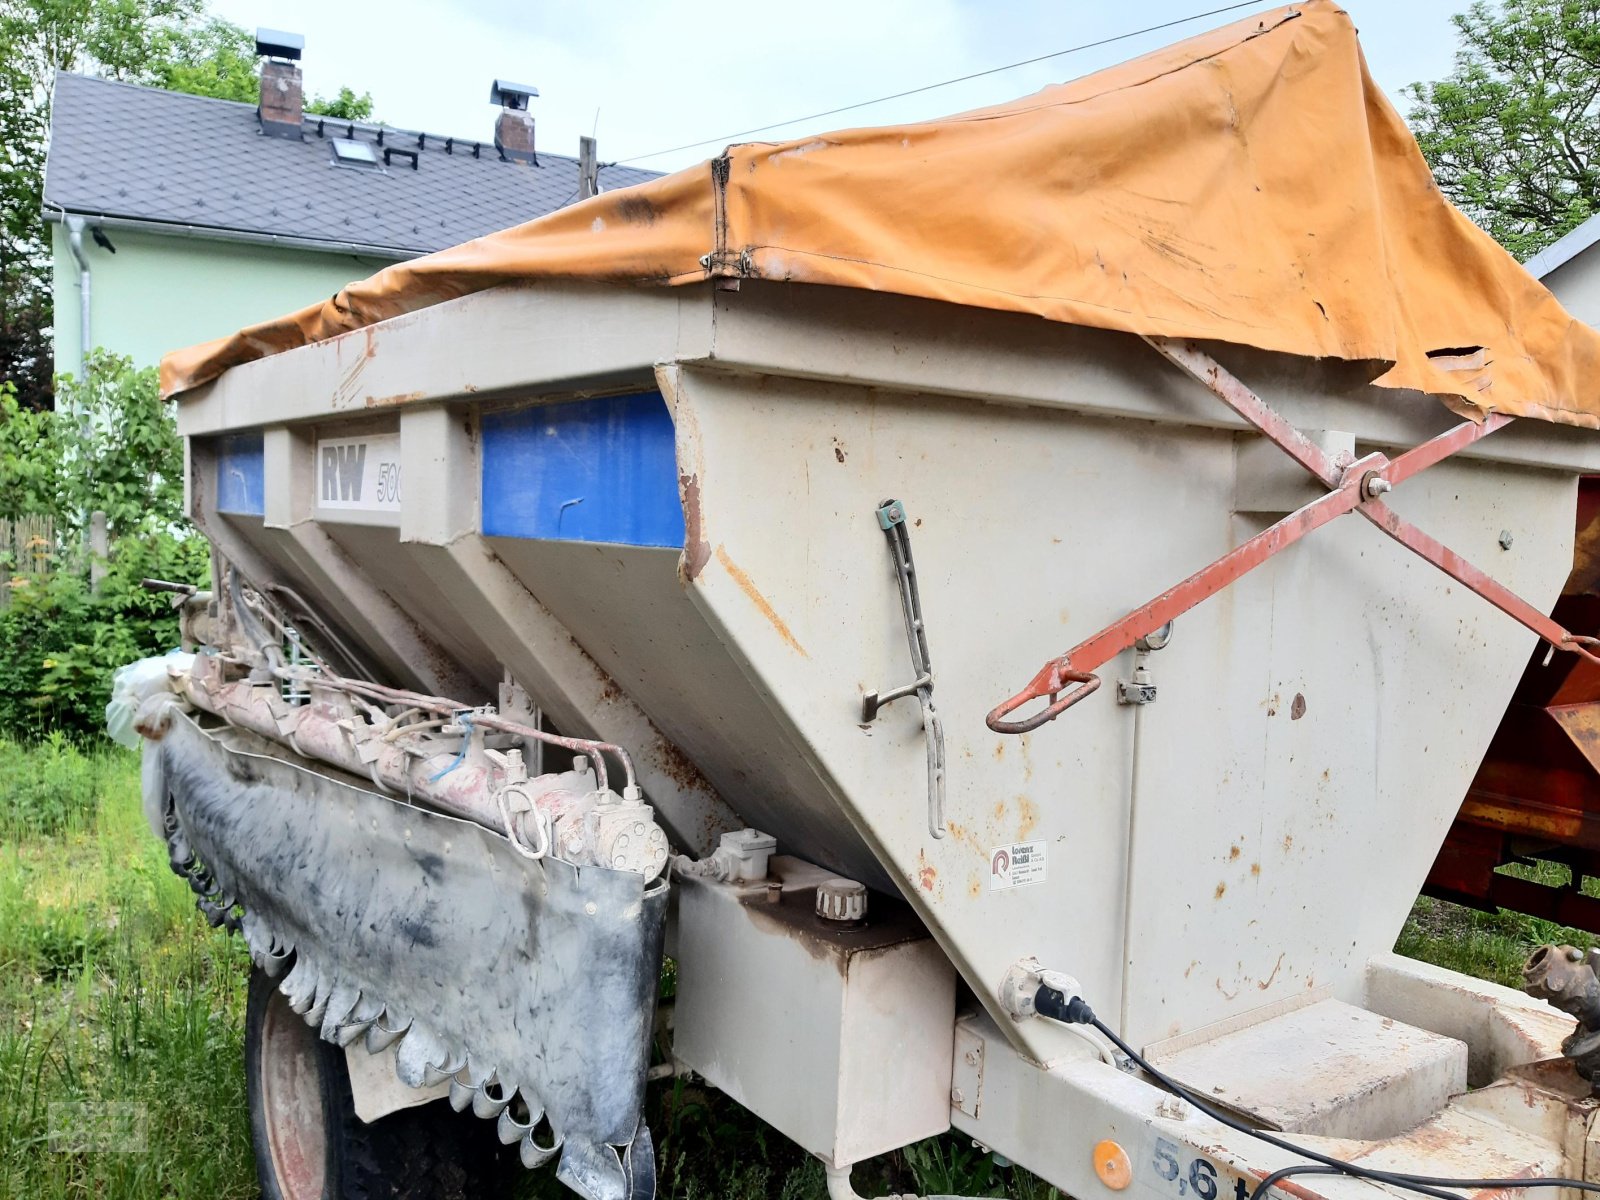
178	218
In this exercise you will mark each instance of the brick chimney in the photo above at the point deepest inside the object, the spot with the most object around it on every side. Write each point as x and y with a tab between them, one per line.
282	93
513	132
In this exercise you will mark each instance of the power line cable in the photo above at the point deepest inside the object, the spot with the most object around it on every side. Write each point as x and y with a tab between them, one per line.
1027	62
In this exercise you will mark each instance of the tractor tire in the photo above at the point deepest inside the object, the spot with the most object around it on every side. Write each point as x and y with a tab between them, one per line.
310	1145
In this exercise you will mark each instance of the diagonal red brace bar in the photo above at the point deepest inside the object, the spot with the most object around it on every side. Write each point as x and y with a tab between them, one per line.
1355	487
1459	569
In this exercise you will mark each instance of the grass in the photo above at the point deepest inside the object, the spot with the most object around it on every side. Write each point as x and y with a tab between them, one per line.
1489	945
121	1061
121	1022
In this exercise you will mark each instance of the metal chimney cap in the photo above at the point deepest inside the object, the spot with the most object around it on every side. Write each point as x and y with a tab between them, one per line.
511	95
274	43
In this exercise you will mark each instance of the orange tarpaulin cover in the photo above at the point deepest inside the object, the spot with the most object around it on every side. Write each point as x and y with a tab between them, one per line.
1251	185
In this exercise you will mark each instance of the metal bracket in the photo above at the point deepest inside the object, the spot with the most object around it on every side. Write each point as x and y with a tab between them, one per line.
1355	487
1136	690
1141	689
891	516
966	1090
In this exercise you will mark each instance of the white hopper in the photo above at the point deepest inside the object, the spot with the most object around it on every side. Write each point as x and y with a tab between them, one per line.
699	574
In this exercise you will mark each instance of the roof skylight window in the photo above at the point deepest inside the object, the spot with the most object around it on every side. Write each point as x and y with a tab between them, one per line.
347	152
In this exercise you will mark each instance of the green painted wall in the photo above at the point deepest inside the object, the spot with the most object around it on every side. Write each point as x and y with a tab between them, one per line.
162	292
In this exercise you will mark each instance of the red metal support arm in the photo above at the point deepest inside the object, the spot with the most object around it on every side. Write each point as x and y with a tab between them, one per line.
1354	487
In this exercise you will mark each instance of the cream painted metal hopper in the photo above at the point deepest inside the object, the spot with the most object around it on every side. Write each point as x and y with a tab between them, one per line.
686	485
657	510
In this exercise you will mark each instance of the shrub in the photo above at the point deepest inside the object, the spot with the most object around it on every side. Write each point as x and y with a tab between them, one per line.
110	445
47	789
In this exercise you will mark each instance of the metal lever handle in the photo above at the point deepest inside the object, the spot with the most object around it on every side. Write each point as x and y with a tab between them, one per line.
1088	682
873	701
891	516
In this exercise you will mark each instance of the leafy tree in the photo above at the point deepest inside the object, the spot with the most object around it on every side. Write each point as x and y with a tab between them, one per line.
25	361
346	106
1513	134
219	59
216	59
24	267
111	447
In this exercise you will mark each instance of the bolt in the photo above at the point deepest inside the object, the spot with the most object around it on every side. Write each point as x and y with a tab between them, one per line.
591	908
956	1097
1505	539
1574	954
1376	485
972	1058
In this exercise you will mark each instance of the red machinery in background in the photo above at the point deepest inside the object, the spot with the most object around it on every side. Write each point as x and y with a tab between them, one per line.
1536	795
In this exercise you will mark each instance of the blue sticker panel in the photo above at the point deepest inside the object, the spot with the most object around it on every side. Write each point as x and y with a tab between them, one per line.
600	470
239	474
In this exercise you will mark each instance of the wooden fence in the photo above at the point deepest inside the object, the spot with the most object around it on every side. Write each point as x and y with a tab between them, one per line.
27	552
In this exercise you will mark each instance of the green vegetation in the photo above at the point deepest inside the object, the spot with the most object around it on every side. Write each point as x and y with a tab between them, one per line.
112	448
1489	945
121	1062
1513	133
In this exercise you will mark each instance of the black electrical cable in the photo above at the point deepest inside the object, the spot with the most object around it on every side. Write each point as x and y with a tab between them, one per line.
1281	1173
1052	1004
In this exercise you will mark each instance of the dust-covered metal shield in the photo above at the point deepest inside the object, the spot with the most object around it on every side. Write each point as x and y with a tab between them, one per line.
530	984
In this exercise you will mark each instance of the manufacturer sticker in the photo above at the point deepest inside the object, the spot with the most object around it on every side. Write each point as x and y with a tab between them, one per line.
1016	865
359	473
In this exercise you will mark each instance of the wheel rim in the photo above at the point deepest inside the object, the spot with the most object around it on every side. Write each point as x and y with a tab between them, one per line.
290	1077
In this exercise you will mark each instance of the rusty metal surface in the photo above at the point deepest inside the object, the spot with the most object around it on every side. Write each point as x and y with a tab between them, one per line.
1585	577
1536	794
1565	977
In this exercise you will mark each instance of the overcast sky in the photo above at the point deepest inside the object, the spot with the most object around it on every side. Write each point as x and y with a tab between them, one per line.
660	73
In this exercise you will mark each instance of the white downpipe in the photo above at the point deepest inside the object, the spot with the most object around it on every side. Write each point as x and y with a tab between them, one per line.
839	1188
85	341
1128	893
